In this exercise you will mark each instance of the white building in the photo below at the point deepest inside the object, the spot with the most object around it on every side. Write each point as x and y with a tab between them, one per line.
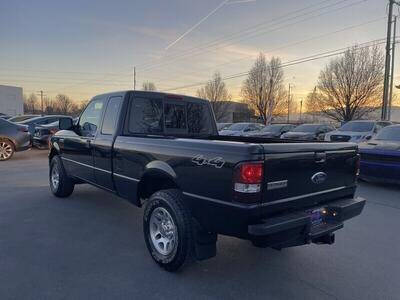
11	102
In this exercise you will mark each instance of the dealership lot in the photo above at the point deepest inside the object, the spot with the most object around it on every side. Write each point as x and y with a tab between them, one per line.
91	246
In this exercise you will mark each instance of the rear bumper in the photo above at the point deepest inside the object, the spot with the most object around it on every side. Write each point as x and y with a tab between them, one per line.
41	142
296	228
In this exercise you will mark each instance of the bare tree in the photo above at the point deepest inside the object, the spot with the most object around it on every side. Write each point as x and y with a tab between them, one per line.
216	92
64	104
263	90
30	103
149	86
350	86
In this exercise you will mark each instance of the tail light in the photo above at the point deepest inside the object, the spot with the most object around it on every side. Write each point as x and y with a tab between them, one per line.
248	177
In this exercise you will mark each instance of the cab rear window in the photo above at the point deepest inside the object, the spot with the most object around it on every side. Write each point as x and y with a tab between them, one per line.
158	116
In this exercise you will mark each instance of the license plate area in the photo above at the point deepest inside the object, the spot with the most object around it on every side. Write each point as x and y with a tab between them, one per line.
316	216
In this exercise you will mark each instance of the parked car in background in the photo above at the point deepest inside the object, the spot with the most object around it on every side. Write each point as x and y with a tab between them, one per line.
380	156
43	133
21	118
4	116
38	121
356	131
308	132
272	131
240	129
13	138
222	126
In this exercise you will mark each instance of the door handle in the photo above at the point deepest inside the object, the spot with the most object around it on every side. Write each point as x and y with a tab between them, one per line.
88	142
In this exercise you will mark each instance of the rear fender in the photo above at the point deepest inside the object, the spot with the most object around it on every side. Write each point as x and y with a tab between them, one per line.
157	176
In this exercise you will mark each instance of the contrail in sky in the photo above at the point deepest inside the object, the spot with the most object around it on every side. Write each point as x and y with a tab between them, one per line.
197	24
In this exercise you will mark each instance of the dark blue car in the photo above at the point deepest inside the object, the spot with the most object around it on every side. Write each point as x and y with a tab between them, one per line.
39	121
380	157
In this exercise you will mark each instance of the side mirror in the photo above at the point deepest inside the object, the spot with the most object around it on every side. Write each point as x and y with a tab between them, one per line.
368	137
66	124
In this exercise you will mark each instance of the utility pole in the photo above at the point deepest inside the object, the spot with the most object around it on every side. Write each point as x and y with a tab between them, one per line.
134	78
288	105
389	113
301	106
386	82
41	100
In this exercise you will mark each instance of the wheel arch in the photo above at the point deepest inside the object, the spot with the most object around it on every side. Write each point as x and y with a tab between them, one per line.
157	176
10	140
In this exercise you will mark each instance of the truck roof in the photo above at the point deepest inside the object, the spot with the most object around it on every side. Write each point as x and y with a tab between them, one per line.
154	94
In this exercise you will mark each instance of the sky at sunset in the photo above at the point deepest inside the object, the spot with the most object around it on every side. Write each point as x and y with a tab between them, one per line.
83	48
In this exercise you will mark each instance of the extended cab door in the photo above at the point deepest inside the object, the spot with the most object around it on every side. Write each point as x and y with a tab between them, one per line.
77	147
103	144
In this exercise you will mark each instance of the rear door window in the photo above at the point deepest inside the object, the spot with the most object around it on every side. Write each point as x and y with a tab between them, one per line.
111	115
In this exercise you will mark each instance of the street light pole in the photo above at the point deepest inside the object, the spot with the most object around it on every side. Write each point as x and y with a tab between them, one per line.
389	113
288	105
386	82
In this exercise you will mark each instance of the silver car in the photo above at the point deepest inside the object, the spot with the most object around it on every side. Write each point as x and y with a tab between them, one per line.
356	131
13	138
241	129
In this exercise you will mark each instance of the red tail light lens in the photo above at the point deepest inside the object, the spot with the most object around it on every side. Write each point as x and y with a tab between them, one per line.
248	177
251	173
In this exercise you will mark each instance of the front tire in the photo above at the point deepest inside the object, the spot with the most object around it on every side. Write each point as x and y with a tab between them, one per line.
7	149
60	184
167	229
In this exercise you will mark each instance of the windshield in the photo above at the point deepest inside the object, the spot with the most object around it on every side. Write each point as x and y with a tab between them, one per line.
389	134
21	118
272	128
306	128
28	121
221	126
237	127
358	126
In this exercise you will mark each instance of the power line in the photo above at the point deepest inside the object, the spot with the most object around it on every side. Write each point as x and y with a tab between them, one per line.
198	51
287	45
149	62
290	63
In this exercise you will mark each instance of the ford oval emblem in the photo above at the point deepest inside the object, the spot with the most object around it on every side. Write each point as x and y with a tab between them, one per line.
319	177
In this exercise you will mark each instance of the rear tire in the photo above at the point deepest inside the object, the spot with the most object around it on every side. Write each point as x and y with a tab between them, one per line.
60	184
168	229
7	149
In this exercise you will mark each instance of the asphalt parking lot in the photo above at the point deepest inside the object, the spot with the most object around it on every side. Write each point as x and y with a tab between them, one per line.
90	246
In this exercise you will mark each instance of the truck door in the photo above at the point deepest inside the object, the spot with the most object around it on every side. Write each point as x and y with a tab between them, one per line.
103	143
77	148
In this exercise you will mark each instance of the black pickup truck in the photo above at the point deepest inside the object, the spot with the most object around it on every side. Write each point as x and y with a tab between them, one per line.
164	151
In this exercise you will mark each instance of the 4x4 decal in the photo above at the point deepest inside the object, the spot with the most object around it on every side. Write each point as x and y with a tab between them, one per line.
217	162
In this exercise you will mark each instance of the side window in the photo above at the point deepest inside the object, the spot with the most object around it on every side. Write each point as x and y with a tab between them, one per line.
90	119
146	116
175	117
111	115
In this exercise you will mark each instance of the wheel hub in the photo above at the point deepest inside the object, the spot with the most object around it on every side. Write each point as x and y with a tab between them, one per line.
55	177
163	232
5	150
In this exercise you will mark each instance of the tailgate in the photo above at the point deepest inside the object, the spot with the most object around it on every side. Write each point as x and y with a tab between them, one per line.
308	170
